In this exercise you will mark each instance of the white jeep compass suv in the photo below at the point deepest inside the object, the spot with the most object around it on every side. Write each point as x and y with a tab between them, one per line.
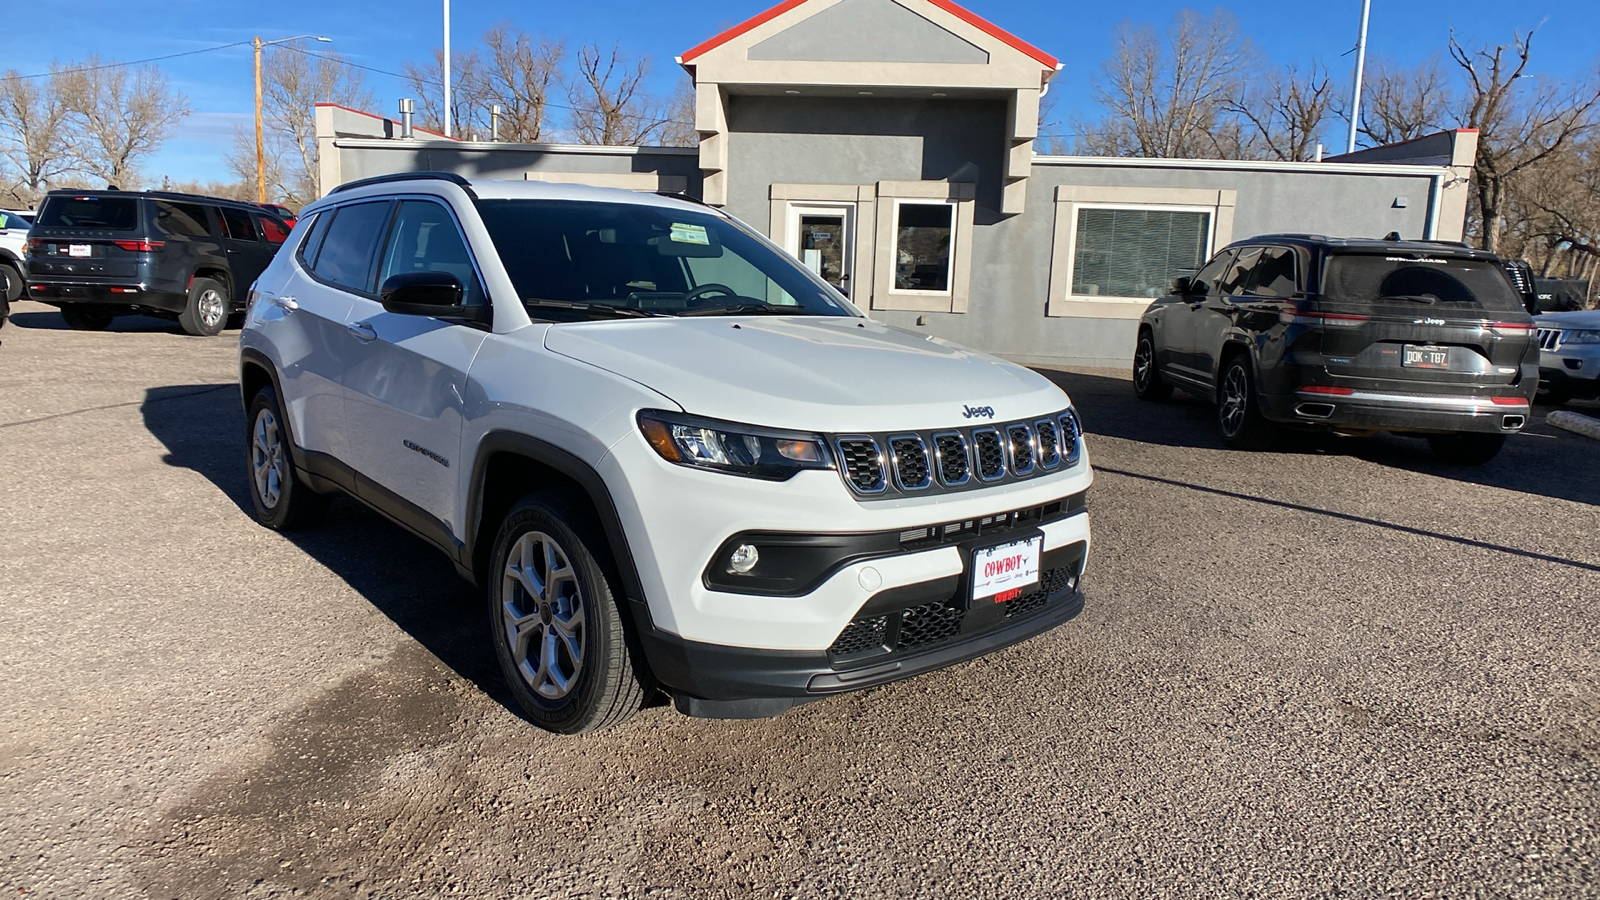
673	457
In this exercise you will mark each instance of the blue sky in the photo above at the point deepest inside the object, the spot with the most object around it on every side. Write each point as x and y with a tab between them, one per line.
385	34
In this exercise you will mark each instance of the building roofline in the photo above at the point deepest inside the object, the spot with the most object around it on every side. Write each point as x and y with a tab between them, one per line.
371	143
1332	168
372	115
965	15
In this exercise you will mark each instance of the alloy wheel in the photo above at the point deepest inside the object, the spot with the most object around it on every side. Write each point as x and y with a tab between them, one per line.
268	462
211	308
542	615
1143	362
1235	399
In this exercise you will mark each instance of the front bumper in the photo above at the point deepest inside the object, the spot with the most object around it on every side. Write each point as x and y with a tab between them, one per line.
900	633
1394	411
1576	373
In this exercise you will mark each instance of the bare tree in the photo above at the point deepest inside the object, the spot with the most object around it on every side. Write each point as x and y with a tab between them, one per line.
468	98
293	82
610	104
1403	104
1285	111
117	116
678	130
1168	95
1520	124
33	142
518	75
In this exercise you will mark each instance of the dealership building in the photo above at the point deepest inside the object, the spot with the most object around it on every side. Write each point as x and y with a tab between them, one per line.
890	145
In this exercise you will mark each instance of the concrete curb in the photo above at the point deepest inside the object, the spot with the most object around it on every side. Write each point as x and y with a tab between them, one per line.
1575	423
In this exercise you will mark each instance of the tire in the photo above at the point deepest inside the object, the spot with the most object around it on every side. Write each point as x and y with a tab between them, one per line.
86	316
1147	383
11	283
1239	410
563	647
206	312
1466	448
279	495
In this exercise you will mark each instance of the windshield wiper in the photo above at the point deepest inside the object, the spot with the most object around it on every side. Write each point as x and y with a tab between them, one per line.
1412	298
615	312
741	309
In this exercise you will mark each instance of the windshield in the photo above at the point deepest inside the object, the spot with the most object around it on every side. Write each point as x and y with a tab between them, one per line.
1447	283
108	213
580	259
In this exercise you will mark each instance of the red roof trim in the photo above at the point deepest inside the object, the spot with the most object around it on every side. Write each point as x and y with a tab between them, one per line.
362	112
964	15
742	28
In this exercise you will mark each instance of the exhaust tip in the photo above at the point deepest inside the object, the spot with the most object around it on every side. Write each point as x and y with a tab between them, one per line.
1314	410
1513	423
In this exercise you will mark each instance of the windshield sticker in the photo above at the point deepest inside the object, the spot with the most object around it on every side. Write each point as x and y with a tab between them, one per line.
690	234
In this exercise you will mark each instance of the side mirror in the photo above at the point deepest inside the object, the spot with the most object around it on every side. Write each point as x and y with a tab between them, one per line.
1183	286
436	294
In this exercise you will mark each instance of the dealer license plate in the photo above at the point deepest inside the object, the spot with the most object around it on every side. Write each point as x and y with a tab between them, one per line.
77	251
1416	357
1005	572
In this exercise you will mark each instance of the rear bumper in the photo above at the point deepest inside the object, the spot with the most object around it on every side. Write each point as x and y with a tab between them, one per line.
1391	411
717	681
122	293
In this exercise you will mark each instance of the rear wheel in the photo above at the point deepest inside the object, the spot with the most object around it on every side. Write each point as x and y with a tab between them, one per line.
206	311
281	498
11	284
1239	409
1466	448
86	316
557	629
1147	383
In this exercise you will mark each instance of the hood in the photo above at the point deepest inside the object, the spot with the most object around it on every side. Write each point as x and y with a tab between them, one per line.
1583	318
812	373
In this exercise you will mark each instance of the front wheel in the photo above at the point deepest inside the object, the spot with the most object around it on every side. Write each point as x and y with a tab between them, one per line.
557	629
1239	409
206	310
1147	382
1466	448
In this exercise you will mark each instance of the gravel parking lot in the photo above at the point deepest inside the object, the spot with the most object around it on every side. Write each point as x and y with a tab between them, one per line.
1337	669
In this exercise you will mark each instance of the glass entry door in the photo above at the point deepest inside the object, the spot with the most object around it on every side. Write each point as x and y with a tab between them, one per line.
820	237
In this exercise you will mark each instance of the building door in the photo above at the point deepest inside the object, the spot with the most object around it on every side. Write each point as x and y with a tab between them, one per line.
822	238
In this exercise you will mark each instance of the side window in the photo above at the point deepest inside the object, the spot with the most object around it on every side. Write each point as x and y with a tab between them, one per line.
272	229
313	239
237	224
1239	275
182	219
1275	273
425	239
1214	270
345	257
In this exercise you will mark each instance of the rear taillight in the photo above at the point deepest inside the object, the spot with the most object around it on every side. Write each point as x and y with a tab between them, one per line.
1292	316
1327	389
1510	329
140	246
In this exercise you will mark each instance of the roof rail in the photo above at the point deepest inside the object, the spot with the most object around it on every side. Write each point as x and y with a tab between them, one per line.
451	177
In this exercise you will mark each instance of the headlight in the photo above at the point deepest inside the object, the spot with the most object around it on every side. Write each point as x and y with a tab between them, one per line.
747	450
1581	337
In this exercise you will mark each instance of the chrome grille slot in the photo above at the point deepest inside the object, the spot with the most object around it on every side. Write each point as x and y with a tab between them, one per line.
1049	443
910	458
1019	444
1071	436
1549	339
991	454
954	461
862	464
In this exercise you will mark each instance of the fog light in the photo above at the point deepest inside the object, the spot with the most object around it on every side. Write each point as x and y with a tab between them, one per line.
744	558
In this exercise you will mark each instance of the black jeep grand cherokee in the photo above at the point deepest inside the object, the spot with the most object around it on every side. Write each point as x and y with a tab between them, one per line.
1351	335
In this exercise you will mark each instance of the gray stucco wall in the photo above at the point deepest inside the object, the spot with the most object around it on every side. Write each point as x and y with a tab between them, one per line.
869	31
511	161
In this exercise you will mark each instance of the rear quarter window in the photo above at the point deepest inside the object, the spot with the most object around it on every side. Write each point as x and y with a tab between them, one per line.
1445	282
182	219
103	213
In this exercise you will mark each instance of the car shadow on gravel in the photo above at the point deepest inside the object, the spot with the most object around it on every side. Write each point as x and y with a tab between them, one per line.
1543	461
52	321
202	427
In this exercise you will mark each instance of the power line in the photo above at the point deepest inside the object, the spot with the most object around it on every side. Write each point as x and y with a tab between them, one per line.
132	62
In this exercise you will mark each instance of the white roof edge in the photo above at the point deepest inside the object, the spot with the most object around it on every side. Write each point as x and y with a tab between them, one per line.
442	144
1259	165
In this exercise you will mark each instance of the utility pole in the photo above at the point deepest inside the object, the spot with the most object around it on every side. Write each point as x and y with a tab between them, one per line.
447	129
1361	65
261	152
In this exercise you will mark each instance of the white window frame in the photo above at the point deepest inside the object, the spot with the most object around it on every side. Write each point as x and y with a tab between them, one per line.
1217	204
962	196
795	209
950	254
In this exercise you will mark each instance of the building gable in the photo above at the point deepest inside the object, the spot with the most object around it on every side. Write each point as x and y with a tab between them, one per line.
869	31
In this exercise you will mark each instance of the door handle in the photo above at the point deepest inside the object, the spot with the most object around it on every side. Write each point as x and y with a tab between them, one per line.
287	304
363	331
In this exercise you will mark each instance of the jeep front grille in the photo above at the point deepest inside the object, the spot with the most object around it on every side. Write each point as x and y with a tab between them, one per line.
862	464
1549	339
898	463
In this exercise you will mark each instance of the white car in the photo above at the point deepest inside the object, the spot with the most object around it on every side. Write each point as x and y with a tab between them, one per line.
14	226
673	458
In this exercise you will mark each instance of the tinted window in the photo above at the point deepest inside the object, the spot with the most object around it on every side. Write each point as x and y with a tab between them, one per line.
1206	278
236	223
274	230
651	258
184	219
1274	276
1239	275
1420	282
425	239
1135	252
107	213
345	257
318	229
922	246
